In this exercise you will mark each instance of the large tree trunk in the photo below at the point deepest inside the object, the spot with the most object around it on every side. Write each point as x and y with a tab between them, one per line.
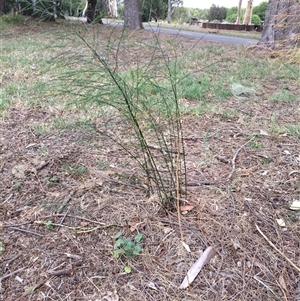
169	14
238	20
114	9
282	25
91	10
2	7
132	14
248	13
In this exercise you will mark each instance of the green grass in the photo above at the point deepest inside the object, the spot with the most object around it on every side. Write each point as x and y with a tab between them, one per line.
284	95
35	72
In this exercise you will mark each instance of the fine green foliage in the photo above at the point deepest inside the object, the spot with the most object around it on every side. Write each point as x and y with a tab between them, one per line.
255	19
144	96
260	10
127	247
1	247
72	169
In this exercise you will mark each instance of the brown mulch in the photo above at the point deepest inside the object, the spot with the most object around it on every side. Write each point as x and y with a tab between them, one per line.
89	189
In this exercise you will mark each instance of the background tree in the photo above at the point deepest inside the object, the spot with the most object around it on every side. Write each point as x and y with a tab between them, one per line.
231	11
155	9
217	13
282	25
132	14
248	14
171	5
261	10
255	19
238	19
181	15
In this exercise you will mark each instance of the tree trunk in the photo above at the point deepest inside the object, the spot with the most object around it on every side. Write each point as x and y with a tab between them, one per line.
238	20
169	19
2	7
91	10
248	14
114	9
282	25
132	14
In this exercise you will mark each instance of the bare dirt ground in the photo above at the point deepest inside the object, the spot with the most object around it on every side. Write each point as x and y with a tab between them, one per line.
64	194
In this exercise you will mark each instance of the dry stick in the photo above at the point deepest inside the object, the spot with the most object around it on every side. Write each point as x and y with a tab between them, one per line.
234	158
120	182
230	174
7	199
79	217
9	261
65	202
272	245
12	273
26	231
63	218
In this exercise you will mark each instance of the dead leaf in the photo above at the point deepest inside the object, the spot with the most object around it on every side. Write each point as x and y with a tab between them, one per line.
280	222
263	133
282	282
197	266
186	208
186	247
134	226
295	205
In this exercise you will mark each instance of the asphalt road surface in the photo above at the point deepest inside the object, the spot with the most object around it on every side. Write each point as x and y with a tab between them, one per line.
186	33
205	36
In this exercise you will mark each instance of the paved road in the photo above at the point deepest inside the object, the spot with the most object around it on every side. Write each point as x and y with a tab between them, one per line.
204	36
185	33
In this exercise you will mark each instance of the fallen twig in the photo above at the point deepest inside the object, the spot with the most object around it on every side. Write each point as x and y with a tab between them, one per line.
9	261
64	272
65	202
120	182
220	181
63	218
74	216
79	229
12	273
234	159
25	231
272	245
7	199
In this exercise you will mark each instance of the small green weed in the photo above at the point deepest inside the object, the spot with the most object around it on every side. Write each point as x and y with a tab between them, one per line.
266	161
1	247
16	186
49	225
255	144
125	246
51	181
102	165
73	170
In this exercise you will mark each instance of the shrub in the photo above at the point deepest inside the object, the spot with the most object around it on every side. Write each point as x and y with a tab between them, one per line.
256	20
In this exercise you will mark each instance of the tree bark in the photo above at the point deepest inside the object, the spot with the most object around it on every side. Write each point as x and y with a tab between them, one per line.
248	13
238	20
114	9
132	14
282	25
169	17
91	10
